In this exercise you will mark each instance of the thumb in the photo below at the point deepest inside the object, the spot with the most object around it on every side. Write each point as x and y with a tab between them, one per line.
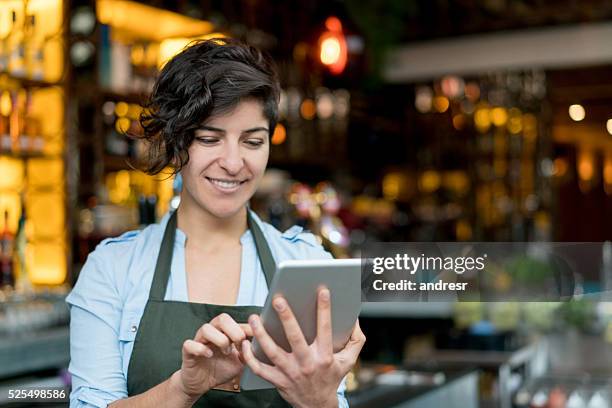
349	354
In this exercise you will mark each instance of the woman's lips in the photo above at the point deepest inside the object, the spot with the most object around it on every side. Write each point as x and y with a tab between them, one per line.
226	185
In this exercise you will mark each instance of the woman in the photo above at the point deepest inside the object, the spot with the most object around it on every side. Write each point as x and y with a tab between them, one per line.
160	316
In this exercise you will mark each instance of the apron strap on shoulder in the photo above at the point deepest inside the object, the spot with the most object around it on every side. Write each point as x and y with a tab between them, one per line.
265	254
164	260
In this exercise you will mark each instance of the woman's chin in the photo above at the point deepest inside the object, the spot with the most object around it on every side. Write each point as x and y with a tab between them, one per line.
224	212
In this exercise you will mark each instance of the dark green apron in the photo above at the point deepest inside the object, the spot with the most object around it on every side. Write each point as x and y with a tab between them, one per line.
165	325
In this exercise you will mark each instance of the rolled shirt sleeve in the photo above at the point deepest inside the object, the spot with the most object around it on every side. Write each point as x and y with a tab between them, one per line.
342	401
95	315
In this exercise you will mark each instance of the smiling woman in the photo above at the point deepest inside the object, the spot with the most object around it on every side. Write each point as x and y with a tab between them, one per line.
163	315
230	152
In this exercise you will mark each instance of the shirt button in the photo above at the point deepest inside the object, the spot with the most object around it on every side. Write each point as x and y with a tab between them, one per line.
133	329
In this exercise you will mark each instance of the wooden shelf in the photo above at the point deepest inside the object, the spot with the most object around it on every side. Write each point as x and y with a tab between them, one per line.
137	20
25	155
27	82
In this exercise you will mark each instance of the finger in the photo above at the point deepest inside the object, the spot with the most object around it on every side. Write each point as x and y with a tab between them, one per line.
266	371
226	324
210	334
193	349
349	354
324	323
237	352
247	329
277	355
292	329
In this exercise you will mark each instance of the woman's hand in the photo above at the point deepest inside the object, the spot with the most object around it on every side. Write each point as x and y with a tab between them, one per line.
309	375
212	357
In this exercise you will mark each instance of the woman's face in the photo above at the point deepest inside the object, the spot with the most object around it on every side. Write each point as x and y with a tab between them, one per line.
227	160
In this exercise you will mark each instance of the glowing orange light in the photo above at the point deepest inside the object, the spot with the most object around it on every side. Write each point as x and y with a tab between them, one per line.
308	109
459	121
499	116
280	134
586	170
333	24
332	45
560	166
330	51
607	174
441	103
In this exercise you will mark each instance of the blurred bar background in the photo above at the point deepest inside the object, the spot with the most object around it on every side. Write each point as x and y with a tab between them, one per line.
445	120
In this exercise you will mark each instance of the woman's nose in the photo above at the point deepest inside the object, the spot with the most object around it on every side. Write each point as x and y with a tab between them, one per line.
231	159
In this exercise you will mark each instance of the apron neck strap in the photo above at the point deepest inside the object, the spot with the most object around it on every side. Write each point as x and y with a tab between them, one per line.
164	259
263	250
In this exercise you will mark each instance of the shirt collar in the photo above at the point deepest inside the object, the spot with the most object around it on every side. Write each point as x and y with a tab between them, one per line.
180	237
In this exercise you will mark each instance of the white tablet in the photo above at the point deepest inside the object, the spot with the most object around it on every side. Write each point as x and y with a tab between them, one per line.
298	281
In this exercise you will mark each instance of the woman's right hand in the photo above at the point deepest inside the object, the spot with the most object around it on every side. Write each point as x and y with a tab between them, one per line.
212	357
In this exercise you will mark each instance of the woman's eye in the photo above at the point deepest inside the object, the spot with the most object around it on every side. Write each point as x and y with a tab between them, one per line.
207	140
254	142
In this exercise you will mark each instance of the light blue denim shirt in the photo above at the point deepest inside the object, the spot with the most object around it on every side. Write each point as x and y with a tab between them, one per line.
109	298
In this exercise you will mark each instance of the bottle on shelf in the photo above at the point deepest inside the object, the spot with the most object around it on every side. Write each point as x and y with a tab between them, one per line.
23	284
137	67
5	112
7	240
121	68
16	122
34	49
33	140
16	51
4	40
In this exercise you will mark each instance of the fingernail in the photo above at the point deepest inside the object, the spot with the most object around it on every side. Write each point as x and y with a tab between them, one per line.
253	322
279	304
208	353
325	294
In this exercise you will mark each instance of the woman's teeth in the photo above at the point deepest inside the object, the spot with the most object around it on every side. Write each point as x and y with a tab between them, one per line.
224	183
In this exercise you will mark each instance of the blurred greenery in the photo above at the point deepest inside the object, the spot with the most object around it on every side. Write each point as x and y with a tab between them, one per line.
526	269
579	313
382	23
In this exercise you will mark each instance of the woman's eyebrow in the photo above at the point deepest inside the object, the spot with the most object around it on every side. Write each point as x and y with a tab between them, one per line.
255	129
211	128
248	131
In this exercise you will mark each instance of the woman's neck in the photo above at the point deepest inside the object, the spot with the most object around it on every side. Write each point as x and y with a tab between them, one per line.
204	230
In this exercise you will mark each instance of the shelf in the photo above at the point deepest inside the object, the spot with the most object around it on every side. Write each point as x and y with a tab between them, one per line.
26	155
27	82
147	22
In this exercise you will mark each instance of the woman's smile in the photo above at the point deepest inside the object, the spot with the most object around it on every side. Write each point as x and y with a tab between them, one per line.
226	185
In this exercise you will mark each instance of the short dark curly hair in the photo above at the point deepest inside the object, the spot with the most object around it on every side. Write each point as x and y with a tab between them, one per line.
207	78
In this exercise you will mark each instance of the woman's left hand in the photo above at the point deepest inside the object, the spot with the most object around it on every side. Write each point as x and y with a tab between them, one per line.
309	375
